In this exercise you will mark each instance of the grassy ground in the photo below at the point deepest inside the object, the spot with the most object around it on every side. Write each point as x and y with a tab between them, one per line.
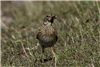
78	27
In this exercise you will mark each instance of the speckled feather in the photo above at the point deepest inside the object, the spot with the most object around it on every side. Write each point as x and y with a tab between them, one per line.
47	34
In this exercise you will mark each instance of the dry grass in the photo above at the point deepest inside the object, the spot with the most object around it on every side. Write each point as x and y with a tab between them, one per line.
78	26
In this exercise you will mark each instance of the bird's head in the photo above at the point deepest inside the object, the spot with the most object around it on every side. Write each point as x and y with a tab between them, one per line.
49	18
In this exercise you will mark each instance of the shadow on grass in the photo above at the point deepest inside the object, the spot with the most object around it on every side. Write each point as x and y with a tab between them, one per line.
45	60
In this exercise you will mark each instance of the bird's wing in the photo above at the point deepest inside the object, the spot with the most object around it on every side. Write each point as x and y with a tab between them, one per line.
55	34
40	32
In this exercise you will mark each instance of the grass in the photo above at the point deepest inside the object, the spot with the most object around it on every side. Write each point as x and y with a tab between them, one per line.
78	27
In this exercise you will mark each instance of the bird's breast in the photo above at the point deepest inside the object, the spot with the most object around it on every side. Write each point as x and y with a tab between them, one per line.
47	41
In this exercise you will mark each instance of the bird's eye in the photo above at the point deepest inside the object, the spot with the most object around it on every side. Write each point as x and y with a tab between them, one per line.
47	16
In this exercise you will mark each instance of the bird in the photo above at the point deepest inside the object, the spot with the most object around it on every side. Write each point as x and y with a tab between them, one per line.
47	35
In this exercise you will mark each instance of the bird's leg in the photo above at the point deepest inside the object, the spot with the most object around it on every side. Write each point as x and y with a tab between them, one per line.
43	56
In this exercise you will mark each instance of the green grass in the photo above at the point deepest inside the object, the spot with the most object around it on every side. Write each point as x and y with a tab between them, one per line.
78	27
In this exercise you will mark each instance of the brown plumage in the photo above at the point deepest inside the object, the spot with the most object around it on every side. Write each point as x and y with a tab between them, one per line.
47	34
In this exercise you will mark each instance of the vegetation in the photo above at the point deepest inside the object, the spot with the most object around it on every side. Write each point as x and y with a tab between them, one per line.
78	27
